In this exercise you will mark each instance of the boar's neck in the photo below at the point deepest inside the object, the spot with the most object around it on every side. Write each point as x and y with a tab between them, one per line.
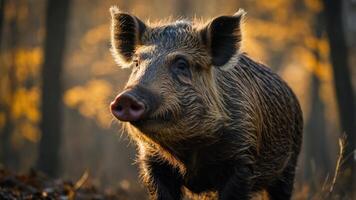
195	153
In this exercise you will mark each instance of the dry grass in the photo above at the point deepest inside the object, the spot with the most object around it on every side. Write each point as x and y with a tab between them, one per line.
326	189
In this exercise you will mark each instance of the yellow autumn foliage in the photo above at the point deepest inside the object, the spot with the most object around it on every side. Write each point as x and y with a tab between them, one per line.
274	5
278	33
323	47
92	100
96	35
25	104
314	5
28	62
28	131
251	45
104	67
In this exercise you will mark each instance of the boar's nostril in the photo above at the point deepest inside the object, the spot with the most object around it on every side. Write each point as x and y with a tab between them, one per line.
127	108
136	107
119	108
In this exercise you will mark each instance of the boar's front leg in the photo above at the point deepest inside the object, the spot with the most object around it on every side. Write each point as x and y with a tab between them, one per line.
162	180
238	186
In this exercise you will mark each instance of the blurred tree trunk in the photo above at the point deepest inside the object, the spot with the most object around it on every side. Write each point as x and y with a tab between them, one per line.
10	154
315	138
317	162
2	10
57	17
342	82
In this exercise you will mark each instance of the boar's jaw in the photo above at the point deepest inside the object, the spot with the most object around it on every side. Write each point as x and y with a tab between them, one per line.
155	123
156	119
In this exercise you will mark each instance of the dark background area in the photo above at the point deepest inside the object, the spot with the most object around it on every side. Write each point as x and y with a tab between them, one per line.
57	78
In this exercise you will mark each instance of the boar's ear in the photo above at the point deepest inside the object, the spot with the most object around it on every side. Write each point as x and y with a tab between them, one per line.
222	37
126	34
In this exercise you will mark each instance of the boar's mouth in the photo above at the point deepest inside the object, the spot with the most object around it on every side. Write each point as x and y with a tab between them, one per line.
154	119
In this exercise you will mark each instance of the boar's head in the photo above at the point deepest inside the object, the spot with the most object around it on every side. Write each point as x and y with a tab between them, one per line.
172	92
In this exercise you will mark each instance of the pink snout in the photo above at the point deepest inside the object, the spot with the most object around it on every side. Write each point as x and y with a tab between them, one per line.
127	108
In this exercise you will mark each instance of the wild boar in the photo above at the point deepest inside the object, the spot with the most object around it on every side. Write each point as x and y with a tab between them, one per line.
205	116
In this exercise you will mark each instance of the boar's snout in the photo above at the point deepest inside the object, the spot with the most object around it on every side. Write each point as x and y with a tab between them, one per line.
128	108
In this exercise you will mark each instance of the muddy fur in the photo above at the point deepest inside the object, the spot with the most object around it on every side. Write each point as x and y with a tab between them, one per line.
225	128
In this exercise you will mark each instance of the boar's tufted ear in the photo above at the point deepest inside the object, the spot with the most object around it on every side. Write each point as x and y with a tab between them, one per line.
126	33
222	37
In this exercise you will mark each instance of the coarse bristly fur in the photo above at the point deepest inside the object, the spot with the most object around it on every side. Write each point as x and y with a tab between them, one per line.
217	122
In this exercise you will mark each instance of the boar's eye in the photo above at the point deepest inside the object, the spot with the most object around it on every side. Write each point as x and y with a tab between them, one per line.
181	66
180	69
